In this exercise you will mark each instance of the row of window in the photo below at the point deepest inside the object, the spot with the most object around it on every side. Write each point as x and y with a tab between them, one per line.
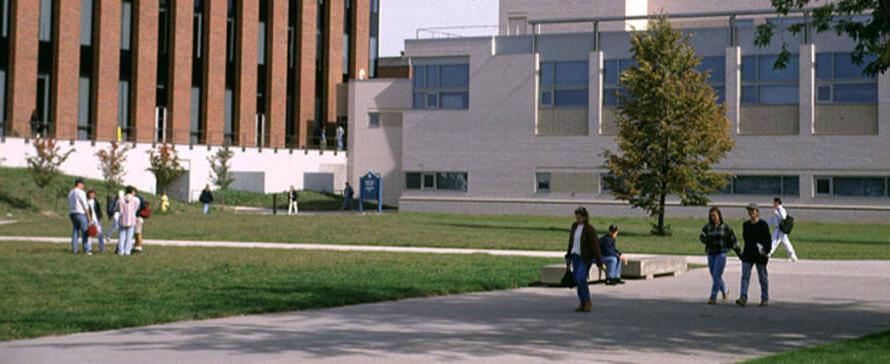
853	186
442	86
437	181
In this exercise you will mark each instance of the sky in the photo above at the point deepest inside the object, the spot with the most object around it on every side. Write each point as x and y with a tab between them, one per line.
399	19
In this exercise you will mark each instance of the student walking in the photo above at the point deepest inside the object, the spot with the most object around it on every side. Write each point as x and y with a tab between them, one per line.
96	217
718	239
612	257
292	201
340	132
127	208
206	198
582	250
779	237
77	211
347	197
755	233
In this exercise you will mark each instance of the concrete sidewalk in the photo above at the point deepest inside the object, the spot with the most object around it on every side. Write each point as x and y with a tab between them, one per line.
663	320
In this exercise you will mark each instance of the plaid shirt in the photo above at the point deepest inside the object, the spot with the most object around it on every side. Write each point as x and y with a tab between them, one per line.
128	207
718	239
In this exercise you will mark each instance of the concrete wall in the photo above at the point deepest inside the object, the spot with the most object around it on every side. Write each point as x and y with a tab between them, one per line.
769	120
281	168
846	119
562	121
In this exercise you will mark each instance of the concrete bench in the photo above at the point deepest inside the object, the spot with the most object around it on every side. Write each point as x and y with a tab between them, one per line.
638	266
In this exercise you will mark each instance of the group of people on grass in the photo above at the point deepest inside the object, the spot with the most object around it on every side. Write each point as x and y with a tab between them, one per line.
127	212
585	248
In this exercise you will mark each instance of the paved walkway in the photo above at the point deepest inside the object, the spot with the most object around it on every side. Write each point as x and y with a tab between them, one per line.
663	320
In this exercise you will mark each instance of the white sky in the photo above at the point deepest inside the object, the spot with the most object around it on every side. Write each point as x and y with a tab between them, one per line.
399	19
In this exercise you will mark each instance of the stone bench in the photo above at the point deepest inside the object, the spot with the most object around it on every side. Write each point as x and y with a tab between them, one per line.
638	266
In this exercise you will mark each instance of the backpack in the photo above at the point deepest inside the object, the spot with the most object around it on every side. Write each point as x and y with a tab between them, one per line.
786	225
145	211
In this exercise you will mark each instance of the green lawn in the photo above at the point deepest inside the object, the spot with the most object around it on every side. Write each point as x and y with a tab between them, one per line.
44	290
869	349
812	240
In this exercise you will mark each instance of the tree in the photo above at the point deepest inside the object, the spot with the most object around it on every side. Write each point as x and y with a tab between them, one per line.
221	168
164	164
843	17
671	128
111	163
44	164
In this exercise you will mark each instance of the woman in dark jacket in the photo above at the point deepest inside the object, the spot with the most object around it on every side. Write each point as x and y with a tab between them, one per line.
758	242
718	239
583	249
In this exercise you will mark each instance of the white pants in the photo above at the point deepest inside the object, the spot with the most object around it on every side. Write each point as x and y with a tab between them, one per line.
292	208
781	238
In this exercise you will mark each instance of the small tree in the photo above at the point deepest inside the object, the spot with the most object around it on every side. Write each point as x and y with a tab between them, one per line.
44	164
671	128
111	163
867	22
164	164
221	169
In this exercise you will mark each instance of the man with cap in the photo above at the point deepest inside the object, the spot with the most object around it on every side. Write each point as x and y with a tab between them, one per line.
77	211
612	257
755	233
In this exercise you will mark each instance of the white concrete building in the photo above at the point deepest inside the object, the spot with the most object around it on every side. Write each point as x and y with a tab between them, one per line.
516	123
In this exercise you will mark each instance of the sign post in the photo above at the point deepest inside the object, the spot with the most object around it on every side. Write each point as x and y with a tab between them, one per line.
371	189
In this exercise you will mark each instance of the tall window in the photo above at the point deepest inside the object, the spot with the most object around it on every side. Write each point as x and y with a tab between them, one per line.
262	75
320	25
717	67
124	118
840	81
442	86
612	70
229	127
4	61
163	80
196	126
374	40
347	29
290	129
564	84
763	84
44	124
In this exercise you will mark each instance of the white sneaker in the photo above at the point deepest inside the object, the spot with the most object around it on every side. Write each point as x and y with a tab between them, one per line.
793	258
89	254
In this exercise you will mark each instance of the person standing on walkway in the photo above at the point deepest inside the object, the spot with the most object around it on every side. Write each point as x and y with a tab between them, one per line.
339	134
583	249
293	201
127	208
96	217
779	237
77	211
347	197
612	257
718	239
755	233
206	198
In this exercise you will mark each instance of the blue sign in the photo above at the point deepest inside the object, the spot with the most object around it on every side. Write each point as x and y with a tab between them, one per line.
370	188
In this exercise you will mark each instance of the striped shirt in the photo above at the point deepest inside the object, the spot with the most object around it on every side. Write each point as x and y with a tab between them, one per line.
127	207
718	239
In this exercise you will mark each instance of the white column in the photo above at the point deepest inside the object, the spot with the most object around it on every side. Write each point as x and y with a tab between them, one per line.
884	104
595	94
536	58
733	86
807	82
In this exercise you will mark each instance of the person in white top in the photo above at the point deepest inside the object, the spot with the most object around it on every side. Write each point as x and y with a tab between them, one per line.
340	133
778	236
77	211
96	218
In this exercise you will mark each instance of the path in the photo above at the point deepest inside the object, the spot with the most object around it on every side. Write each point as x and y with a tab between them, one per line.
662	320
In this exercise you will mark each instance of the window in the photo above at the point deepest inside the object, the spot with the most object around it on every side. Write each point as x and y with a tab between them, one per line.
444	181
126	24
373	120
762	84
443	86
840	81
542	182
45	32
853	186
517	25
612	70
717	67
123	106
564	84
83	108
764	186
86	22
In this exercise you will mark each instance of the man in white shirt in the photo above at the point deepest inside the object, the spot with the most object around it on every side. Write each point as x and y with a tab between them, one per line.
77	211
778	236
340	133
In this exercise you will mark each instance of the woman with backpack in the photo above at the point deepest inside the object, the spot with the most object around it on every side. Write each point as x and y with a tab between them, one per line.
718	239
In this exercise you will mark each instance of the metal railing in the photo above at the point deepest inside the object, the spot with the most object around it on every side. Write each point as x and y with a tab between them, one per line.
457	31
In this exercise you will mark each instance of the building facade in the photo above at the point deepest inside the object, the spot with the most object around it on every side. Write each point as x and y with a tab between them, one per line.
263	75
517	122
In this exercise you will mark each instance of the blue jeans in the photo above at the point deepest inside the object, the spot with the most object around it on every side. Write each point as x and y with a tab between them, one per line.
101	236
579	271
340	144
206	208
79	232
613	267
762	275
125	240
716	265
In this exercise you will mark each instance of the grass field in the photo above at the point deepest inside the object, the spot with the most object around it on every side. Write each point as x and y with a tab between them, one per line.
869	349
44	291
812	241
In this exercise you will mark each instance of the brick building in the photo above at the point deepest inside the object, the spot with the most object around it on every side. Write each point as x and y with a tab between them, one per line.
252	73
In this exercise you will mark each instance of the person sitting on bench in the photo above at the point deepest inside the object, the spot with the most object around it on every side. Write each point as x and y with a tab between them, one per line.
612	257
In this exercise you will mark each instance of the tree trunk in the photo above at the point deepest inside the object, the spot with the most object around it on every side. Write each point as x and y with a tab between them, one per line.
660	228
